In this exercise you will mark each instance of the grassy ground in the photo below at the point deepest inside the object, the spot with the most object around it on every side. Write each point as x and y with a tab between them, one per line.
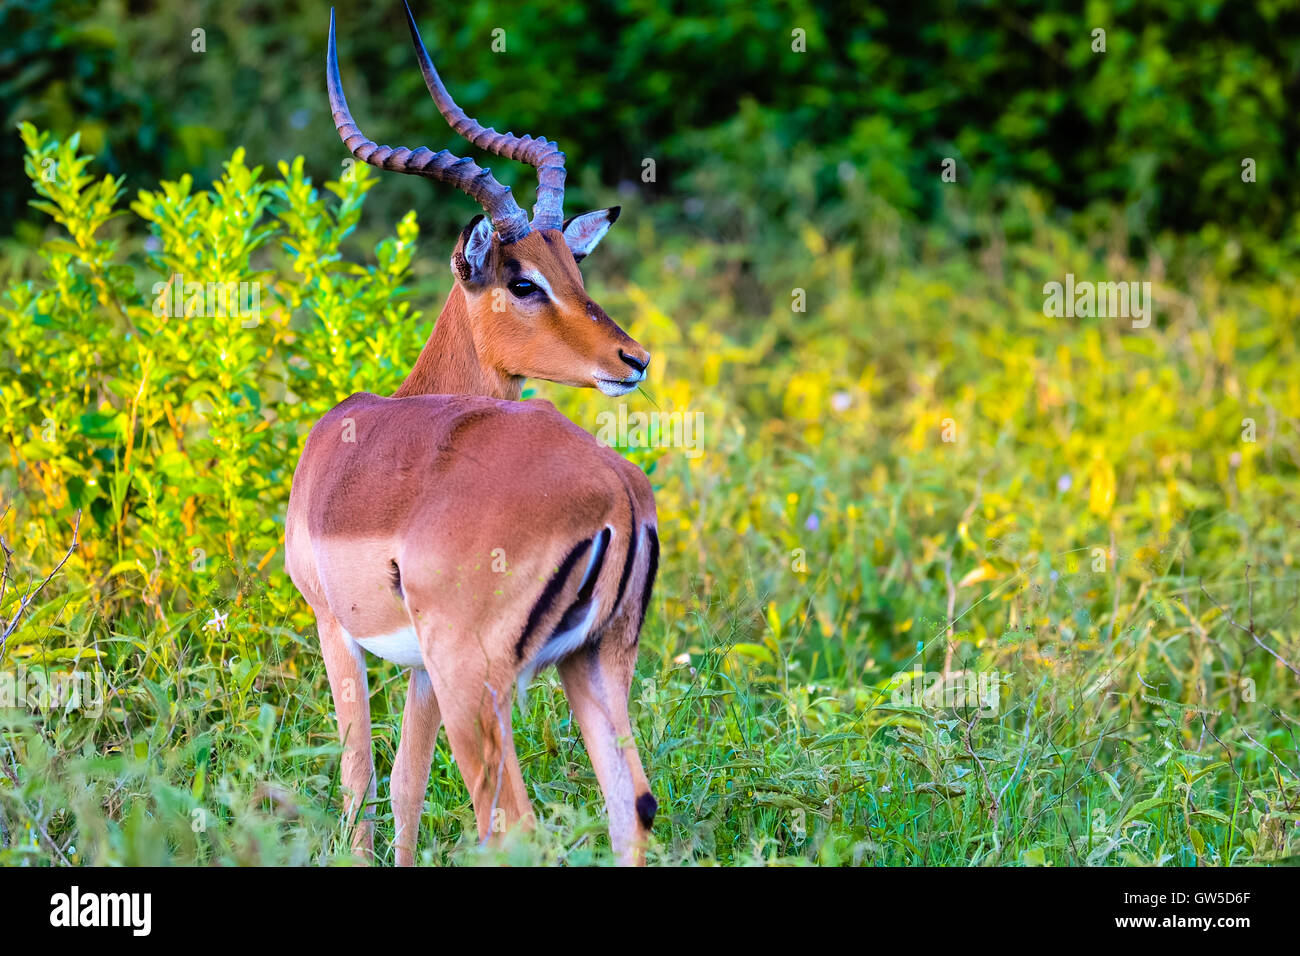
920	477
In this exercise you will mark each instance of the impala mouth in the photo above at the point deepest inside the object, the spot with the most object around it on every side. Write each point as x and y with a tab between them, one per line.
616	387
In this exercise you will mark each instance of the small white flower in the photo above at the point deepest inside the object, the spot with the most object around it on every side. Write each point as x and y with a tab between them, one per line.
217	622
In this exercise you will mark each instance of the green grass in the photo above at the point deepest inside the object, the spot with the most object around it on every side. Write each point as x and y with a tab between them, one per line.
796	761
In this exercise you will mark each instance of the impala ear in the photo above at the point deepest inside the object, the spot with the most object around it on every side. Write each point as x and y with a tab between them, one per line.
582	233
470	257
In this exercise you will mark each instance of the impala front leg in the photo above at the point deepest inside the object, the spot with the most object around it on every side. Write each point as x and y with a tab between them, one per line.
345	665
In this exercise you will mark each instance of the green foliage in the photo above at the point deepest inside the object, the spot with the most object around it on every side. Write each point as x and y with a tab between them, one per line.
1106	515
173	427
1013	92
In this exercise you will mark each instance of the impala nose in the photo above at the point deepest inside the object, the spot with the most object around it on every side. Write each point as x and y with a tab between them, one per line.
638	364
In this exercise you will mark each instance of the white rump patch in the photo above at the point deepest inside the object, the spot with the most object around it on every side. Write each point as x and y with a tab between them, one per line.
559	646
401	647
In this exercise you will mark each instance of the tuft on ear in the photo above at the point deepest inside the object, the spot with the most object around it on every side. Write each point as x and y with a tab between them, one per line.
475	242
582	233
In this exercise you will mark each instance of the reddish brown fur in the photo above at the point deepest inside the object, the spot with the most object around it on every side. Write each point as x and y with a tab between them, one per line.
477	351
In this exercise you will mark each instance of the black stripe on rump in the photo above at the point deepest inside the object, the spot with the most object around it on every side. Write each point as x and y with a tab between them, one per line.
650	575
597	561
629	559
582	603
549	593
627	570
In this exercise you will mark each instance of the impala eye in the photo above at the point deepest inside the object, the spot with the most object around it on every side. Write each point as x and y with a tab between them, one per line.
521	288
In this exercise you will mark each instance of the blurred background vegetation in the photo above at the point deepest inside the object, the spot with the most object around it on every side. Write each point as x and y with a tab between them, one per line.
1105	530
1011	90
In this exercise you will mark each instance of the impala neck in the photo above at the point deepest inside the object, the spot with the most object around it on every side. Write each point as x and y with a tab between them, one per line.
449	363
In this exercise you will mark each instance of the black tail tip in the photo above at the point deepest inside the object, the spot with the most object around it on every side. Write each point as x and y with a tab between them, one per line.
646	806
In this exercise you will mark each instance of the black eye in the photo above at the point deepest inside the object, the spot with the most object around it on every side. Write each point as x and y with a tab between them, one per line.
521	288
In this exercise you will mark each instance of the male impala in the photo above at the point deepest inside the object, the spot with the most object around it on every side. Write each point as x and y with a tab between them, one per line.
399	506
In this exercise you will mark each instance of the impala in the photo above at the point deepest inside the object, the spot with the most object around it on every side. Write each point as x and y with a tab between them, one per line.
472	537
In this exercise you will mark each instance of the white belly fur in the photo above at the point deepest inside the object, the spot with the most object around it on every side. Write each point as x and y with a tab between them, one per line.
401	647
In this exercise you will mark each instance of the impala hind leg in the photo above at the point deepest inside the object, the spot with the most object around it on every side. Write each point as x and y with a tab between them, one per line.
345	665
475	701
597	680
410	781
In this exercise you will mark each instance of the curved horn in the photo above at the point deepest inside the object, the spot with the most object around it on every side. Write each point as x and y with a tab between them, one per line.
509	221
541	153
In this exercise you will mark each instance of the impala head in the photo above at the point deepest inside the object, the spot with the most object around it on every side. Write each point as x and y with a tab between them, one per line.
529	311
